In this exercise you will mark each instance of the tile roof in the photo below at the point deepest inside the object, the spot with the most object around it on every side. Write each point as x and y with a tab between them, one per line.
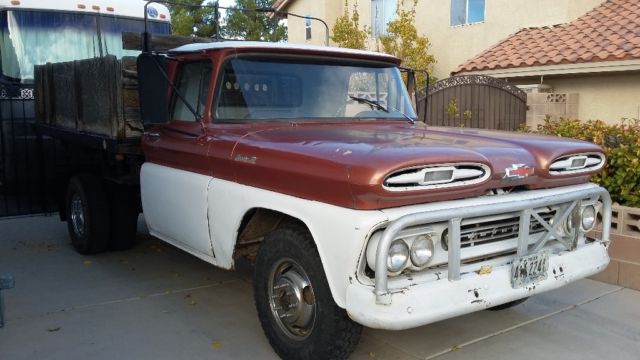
609	32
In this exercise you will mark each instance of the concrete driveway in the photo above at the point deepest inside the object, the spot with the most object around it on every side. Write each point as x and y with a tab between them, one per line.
157	302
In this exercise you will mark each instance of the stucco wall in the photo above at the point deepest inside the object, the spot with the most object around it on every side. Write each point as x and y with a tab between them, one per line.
604	97
450	45
454	45
327	10
624	268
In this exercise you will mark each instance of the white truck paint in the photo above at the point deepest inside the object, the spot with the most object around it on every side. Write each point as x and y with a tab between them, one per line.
341	236
183	219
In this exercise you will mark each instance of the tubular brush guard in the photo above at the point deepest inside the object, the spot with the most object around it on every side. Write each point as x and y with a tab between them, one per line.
454	218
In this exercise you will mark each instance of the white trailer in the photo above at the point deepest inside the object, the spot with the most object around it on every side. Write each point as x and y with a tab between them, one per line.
35	32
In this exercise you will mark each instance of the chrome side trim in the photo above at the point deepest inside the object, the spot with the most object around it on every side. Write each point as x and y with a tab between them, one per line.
562	165
415	181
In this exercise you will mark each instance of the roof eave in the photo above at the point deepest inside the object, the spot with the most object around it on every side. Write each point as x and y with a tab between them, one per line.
281	5
560	69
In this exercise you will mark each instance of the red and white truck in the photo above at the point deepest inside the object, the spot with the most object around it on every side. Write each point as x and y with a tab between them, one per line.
310	161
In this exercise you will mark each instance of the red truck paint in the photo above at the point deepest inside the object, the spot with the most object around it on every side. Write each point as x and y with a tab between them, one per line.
345	163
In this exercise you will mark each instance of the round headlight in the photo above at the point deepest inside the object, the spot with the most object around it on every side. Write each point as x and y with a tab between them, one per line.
569	226
588	217
398	256
421	251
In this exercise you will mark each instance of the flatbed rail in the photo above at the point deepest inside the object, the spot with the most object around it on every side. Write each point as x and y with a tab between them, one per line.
130	146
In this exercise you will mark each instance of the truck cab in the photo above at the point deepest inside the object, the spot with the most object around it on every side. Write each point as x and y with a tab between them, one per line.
312	162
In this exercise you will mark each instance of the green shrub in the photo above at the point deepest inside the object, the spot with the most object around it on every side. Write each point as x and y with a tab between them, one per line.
621	143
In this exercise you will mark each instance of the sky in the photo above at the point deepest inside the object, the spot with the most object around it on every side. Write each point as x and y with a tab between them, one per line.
226	3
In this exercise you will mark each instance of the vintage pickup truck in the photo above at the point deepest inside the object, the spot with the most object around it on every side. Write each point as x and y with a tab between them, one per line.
310	162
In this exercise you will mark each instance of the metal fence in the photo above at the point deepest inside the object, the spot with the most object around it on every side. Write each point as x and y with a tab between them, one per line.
475	101
26	158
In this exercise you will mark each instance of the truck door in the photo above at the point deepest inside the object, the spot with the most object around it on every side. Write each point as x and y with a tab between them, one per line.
176	175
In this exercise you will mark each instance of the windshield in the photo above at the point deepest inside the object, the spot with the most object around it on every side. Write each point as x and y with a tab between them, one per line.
31	38
253	89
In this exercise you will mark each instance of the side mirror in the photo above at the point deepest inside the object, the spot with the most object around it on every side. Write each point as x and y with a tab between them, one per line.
412	84
153	89
411	88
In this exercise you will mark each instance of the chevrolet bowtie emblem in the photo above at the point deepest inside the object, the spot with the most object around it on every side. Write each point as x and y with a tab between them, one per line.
518	171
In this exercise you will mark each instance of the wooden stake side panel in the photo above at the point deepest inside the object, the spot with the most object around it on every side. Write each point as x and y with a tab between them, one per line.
98	96
159	43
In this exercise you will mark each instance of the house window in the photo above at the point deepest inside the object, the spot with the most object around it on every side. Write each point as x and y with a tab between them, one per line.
382	11
464	12
307	27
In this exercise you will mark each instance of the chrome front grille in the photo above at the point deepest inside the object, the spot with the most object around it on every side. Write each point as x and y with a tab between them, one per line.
480	231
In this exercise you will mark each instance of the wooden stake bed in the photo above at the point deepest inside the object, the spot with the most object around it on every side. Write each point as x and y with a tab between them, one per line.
159	43
97	96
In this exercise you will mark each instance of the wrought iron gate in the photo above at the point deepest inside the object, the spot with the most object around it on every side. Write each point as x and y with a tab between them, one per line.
475	101
26	159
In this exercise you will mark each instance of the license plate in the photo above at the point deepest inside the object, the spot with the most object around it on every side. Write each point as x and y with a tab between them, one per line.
529	269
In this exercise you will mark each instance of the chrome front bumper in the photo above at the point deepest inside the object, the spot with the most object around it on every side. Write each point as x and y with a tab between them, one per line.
433	301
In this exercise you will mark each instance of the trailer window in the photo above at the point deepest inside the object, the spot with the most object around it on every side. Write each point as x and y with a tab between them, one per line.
193	85
31	38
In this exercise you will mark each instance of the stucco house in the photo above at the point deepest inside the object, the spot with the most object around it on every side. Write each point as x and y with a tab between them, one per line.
588	68
457	29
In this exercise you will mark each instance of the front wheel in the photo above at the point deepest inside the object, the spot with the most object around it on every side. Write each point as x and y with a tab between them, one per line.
294	302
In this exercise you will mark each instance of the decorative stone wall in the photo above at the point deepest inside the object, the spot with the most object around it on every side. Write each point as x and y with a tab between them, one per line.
624	269
556	105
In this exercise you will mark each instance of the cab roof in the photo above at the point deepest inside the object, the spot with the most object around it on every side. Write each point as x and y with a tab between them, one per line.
284	47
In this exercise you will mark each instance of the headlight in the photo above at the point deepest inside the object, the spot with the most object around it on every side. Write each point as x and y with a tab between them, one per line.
569	225
398	256
421	251
588	218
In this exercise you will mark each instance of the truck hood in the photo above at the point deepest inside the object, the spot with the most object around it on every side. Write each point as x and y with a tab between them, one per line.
346	163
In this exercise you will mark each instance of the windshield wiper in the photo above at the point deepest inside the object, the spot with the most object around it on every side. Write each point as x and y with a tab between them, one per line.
380	107
375	104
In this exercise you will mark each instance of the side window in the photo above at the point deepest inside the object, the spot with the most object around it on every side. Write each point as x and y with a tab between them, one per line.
382	12
464	12
193	84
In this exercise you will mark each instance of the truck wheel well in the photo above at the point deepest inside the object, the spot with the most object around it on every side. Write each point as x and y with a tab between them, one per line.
255	225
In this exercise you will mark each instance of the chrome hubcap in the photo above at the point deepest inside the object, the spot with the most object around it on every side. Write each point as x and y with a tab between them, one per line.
291	299
77	215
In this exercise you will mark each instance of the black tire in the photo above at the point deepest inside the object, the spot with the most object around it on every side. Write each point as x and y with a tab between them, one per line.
87	214
331	334
124	217
508	305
